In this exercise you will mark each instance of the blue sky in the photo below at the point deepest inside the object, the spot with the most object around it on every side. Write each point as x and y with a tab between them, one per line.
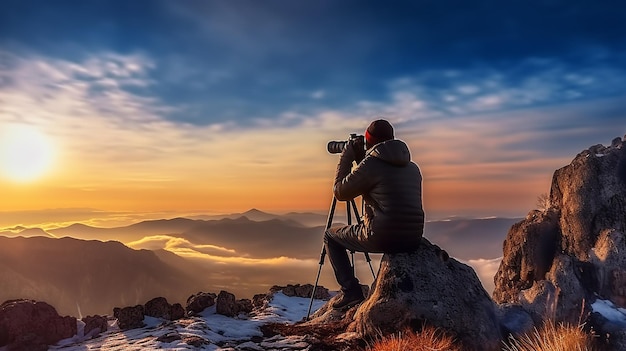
491	96
239	60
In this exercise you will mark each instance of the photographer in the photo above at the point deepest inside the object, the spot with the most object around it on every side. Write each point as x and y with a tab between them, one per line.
393	217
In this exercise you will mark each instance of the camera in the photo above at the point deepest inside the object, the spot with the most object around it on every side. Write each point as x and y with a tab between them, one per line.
358	142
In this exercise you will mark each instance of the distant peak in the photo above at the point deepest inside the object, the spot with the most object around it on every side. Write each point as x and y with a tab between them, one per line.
17	228
78	225
35	232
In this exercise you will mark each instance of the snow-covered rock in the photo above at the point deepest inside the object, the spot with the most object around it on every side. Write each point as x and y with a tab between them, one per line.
208	330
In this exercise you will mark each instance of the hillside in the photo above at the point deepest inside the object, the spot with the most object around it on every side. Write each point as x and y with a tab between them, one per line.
90	276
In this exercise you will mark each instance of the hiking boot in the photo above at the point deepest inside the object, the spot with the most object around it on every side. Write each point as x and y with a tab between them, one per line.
349	300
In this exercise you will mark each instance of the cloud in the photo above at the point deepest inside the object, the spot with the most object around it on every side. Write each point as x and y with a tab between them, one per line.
318	94
213	254
529	83
486	271
171	243
116	138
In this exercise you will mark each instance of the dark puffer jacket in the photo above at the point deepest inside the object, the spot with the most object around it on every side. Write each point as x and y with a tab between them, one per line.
391	186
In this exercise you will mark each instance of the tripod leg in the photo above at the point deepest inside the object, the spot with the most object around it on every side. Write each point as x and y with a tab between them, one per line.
319	271
367	256
369	261
353	265
331	213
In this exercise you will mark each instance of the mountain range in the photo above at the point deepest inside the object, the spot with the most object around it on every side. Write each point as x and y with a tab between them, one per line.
85	269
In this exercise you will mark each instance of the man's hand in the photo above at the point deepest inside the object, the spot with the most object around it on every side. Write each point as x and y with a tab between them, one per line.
358	147
348	153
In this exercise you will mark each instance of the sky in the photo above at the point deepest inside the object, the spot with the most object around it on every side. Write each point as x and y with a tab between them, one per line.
140	108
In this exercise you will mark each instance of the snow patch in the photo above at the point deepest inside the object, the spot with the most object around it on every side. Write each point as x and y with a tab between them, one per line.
210	326
609	311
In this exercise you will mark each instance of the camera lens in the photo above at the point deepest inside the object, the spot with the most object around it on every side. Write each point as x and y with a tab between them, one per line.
336	147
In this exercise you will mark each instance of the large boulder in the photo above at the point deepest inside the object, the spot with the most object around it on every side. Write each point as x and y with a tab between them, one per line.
610	260
590	196
198	302
177	312
130	317
158	307
226	304
33	325
305	291
559	259
424	287
94	325
529	249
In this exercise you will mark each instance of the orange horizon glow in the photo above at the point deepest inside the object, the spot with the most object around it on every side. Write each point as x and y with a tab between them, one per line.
134	160
236	171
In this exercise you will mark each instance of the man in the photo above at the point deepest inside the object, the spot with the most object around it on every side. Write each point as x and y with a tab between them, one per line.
393	218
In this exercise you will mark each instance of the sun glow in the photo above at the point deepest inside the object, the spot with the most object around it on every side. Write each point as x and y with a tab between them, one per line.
25	153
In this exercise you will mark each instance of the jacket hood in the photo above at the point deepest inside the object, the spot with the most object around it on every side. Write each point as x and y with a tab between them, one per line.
394	152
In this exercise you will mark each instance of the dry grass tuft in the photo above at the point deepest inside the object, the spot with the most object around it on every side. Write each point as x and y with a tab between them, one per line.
429	339
553	337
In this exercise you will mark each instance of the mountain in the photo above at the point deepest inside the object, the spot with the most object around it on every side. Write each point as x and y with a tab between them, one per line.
25	232
470	238
292	234
265	239
128	233
308	219
240	255
91	276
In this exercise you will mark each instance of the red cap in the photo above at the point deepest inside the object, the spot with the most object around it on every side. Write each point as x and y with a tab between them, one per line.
378	131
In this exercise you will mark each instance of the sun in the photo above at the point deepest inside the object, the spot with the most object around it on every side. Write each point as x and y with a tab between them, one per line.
25	153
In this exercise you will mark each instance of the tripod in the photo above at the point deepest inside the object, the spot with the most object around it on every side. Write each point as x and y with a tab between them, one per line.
350	206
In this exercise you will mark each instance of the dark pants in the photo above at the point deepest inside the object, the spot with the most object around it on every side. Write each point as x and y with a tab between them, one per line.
339	239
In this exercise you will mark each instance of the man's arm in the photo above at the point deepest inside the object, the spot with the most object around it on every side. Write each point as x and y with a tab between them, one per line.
349	185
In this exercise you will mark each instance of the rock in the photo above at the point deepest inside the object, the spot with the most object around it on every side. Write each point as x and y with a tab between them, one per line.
158	308
198	302
195	341
169	337
129	317
607	256
244	306
94	325
617	340
590	196
617	142
417	288
177	312
305	291
611	335
618	287
560	297
32	325
327	314
514	320
225	304
424	287
260	301
529	249
570	277
557	260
